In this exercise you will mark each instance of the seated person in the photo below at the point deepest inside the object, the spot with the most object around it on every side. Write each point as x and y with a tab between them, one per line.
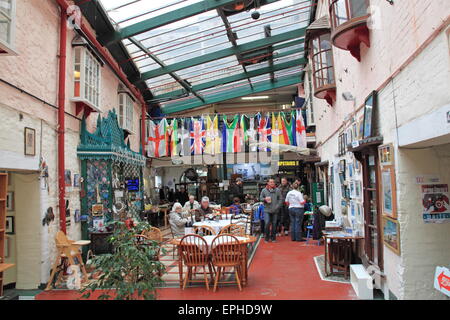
236	208
190	205
204	208
177	220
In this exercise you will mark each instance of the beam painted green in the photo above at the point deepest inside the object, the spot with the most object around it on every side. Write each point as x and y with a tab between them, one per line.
237	77
233	94
258	44
165	19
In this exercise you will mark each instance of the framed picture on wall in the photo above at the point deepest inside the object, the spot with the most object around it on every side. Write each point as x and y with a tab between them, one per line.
10	201
30	141
369	108
391	234
10	225
388	192
386	154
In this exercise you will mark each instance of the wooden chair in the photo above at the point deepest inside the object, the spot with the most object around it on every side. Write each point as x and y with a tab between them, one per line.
225	211
233	229
67	251
226	253
204	231
194	252
153	233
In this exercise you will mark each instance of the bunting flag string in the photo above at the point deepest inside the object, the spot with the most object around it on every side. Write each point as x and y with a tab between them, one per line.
216	134
212	136
198	135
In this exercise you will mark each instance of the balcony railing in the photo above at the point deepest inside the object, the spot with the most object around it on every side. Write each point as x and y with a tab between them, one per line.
349	25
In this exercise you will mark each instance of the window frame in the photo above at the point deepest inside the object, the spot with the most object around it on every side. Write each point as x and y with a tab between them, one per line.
126	120
323	66
91	92
10	48
350	14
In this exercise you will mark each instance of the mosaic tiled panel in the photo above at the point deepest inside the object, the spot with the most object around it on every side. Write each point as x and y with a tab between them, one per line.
97	177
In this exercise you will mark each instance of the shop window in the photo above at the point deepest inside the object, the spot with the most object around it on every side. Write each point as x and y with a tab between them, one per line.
349	24
86	80
322	61
126	111
7	27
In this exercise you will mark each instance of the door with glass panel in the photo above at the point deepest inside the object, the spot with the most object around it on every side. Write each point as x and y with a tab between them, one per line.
373	250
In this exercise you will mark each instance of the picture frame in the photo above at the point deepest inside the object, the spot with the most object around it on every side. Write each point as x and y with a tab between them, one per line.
67	178
391	234
10	201
29	141
10	228
358	189
386	154
352	189
388	192
76	180
97	210
369	108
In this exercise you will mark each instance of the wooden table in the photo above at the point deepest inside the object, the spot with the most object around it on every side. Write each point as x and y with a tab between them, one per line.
243	241
164	210
336	236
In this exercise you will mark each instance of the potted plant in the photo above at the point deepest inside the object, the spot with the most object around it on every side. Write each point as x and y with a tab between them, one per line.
132	271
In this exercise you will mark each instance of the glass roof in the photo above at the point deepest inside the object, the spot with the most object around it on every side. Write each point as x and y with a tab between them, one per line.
196	52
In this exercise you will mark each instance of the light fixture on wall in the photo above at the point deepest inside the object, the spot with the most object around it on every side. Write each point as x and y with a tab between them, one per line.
256	98
348	96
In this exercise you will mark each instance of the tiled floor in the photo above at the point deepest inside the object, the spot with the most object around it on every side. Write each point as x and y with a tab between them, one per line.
279	271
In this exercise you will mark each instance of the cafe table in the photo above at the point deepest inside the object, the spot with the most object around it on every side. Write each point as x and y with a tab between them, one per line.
335	237
216	225
243	241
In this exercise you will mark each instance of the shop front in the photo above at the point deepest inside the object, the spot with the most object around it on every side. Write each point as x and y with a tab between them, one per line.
111	187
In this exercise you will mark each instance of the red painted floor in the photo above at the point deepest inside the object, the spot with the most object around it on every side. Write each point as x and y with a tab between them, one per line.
279	271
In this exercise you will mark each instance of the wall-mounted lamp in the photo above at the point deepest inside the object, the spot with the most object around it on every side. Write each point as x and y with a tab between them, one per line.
348	96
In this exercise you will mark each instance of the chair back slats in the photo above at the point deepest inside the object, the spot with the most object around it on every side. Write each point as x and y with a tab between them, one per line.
153	233
194	250
226	250
233	229
204	231
61	239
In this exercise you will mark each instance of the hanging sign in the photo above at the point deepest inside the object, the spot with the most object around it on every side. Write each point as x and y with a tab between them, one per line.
442	280
435	203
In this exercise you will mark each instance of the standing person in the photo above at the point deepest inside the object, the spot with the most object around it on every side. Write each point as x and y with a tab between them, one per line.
182	196
237	190
271	197
296	203
284	211
171	195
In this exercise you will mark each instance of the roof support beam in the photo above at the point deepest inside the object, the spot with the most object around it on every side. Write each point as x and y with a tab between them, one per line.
182	82
232	94
258	44
237	77
163	19
232	37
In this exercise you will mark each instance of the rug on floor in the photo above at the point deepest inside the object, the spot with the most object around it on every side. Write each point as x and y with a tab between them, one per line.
320	265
